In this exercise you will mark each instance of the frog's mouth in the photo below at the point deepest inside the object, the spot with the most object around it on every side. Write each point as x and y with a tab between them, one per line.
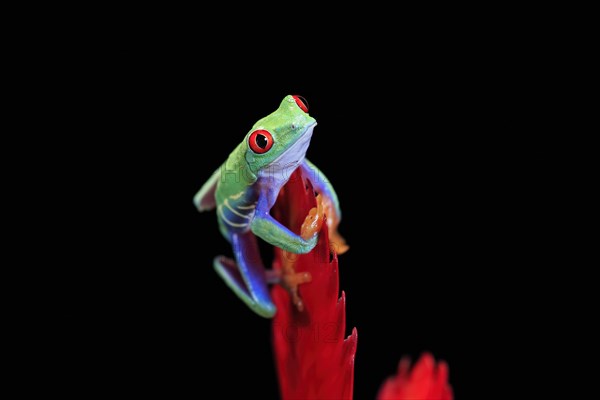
289	160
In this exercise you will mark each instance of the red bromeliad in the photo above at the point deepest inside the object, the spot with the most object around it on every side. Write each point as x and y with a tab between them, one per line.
426	380
313	357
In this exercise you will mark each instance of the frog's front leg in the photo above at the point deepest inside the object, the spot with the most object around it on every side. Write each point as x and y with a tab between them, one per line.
272	231
329	201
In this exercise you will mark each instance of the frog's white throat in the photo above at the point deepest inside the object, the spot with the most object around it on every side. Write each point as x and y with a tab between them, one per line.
282	167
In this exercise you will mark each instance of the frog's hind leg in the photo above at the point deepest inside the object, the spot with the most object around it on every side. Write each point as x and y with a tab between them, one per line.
246	275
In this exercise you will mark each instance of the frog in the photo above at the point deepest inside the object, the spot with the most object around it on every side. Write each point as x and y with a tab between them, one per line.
244	189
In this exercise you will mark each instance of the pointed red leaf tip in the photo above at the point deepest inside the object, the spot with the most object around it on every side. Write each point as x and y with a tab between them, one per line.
313	359
427	381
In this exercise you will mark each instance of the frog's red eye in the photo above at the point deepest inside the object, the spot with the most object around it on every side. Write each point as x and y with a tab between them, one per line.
260	141
302	103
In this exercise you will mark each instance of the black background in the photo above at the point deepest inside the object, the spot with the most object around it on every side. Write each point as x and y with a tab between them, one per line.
415	149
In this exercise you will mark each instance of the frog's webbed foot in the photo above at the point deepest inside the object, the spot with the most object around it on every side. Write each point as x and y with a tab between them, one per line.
313	221
336	241
287	278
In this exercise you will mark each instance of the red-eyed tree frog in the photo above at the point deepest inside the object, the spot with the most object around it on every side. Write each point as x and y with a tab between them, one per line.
244	189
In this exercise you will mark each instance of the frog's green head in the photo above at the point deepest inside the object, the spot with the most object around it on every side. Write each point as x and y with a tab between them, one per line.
278	142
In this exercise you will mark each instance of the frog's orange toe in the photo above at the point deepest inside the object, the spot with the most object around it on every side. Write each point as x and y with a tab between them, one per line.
313	221
290	281
338	243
